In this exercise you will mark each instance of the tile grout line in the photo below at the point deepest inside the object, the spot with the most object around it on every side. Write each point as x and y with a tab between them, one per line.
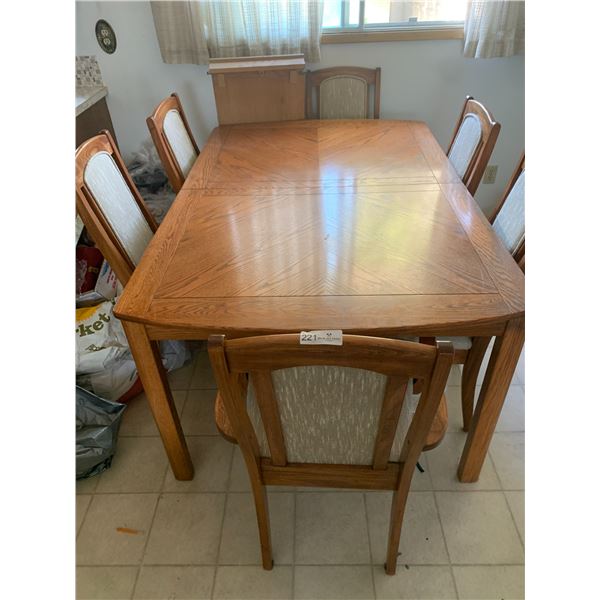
437	510
218	557
513	520
159	496
427	471
91	492
141	564
223	491
512	516
502	488
289	564
183	405
488	455
370	546
87	508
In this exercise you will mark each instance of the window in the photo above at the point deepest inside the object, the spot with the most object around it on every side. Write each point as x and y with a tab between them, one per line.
369	16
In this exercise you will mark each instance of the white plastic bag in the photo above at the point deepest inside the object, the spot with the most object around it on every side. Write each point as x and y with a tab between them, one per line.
105	365
174	354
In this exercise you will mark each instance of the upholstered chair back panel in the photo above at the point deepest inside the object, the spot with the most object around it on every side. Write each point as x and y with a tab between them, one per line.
330	415
509	223
119	207
179	140
343	97
465	144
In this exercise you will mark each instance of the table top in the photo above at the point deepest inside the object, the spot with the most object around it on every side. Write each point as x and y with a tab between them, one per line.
362	226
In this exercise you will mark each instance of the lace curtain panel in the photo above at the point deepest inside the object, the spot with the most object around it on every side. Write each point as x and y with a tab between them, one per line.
494	28
194	31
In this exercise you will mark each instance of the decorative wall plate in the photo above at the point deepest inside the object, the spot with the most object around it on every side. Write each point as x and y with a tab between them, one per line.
106	37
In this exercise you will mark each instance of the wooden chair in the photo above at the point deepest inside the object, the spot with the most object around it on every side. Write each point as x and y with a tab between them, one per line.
508	221
343	93
173	139
329	416
472	144
110	205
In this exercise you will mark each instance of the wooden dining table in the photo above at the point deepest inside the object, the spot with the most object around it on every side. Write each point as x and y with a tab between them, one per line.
362	226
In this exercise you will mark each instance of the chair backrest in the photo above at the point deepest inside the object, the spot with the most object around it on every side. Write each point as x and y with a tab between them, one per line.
472	144
343	93
173	139
110	205
329	415
508	219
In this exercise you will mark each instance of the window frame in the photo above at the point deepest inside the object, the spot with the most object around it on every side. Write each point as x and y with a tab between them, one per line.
384	32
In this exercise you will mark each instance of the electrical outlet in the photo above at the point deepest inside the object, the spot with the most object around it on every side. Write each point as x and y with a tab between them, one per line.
489	175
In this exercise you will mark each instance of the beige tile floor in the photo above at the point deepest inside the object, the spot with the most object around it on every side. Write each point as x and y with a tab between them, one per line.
199	539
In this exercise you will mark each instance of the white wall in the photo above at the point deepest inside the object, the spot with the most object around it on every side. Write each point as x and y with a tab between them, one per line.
425	80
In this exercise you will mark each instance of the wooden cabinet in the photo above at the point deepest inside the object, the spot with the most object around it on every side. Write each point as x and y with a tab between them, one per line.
91	119
257	89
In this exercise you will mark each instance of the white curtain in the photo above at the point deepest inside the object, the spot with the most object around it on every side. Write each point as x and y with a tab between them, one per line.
180	32
194	31
494	28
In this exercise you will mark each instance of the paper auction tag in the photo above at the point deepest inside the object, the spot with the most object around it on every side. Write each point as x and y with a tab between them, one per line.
329	337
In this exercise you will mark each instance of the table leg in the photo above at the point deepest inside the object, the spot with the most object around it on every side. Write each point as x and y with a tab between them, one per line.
468	381
499	374
154	379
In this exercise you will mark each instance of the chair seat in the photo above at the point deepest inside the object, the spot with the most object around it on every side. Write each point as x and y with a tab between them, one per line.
459	343
435	437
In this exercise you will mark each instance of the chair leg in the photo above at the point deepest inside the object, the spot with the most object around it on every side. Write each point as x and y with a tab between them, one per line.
396	518
264	530
469	378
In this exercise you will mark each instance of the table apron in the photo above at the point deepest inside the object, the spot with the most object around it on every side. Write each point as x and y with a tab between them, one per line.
162	332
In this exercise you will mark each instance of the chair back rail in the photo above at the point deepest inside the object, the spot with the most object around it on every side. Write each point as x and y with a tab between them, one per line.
282	351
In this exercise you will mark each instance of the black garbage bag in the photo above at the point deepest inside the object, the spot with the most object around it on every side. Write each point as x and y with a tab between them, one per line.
148	174
97	421
146	168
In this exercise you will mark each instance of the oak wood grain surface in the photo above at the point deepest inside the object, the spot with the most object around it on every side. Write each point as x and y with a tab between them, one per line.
253	63
362	226
257	89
